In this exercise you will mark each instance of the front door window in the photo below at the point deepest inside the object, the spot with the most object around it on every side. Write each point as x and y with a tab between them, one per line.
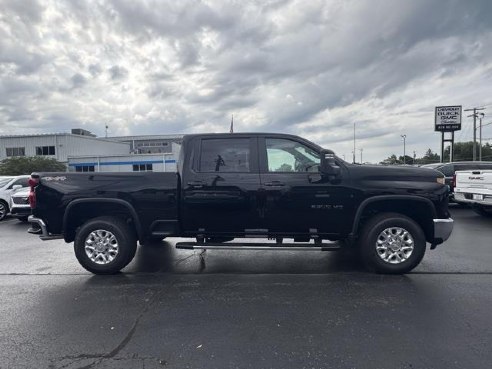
290	156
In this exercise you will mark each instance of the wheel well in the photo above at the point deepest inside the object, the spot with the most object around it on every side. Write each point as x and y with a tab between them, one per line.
80	213
418	211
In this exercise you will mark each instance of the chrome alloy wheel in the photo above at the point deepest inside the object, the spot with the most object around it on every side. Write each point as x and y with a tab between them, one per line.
394	245
101	246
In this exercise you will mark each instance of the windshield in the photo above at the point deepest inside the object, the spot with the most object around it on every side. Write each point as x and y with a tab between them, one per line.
5	180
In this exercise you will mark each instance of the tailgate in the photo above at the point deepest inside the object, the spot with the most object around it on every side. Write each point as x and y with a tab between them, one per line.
476	181
474	186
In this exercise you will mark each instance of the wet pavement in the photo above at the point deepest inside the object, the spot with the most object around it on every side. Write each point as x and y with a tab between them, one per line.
248	309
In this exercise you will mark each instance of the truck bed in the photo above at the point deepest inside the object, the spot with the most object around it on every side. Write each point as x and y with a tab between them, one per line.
153	196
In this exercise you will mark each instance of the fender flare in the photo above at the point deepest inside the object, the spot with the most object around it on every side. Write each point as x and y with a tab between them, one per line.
124	203
363	205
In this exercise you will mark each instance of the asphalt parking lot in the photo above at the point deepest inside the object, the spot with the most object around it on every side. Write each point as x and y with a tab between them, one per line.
228	309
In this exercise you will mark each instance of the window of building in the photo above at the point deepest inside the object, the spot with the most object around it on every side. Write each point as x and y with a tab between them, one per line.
84	168
142	168
225	155
15	151
290	156
45	150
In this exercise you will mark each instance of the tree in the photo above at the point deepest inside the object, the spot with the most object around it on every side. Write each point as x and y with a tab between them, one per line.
463	151
408	159
391	160
429	158
26	165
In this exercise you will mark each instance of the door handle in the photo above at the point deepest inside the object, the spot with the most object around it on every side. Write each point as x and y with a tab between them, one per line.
196	184
274	184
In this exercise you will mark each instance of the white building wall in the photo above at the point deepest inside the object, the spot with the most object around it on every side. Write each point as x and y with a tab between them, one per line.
65	145
124	163
81	146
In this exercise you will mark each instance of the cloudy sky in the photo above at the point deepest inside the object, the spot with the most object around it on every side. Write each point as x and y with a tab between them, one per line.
311	68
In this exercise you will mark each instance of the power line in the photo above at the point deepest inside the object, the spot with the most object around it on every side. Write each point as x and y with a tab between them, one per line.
475	116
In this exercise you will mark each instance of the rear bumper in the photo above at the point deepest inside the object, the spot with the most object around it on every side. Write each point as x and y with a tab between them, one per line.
467	198
442	230
41	229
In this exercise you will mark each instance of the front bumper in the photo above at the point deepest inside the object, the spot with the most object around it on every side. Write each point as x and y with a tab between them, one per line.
20	211
442	230
41	229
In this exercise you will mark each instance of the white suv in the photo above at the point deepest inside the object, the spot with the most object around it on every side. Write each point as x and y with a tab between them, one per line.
7	186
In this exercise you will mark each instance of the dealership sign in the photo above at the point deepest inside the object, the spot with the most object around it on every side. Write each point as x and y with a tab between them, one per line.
448	118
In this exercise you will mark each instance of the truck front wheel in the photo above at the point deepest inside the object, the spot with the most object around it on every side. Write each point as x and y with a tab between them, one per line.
105	245
391	243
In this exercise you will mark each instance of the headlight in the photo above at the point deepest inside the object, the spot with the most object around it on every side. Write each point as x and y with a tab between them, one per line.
441	180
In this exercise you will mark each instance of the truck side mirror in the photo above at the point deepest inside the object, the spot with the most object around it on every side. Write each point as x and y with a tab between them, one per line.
328	166
16	187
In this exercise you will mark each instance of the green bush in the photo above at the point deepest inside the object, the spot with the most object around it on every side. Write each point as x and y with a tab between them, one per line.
26	165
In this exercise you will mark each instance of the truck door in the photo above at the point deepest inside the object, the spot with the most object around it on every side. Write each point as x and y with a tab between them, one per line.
299	200
220	189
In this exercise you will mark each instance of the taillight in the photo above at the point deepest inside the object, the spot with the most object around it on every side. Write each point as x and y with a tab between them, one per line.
33	182
453	182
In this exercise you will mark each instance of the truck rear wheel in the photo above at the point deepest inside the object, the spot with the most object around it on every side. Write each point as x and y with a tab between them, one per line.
391	243
105	245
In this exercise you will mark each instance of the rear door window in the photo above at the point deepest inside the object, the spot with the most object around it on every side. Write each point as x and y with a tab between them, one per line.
231	155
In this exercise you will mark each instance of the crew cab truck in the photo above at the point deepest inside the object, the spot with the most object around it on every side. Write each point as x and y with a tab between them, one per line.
245	185
474	187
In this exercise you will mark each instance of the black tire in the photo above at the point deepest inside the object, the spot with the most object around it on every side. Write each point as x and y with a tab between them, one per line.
124	236
372	231
4	209
483	211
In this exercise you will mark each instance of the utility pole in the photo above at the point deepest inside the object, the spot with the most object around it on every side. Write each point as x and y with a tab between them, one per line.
353	159
414	156
404	147
474	115
480	139
107	131
361	149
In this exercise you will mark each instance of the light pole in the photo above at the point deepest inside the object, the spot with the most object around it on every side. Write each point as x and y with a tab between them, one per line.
480	149
361	149
404	146
353	161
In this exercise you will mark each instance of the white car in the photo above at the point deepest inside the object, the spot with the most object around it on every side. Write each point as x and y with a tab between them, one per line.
19	205
7	186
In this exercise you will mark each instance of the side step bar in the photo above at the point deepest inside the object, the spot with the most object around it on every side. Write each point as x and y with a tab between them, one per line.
258	246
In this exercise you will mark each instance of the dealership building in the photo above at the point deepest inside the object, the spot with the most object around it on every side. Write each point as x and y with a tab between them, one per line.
82	151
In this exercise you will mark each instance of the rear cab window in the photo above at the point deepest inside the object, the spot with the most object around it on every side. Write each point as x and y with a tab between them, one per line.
225	155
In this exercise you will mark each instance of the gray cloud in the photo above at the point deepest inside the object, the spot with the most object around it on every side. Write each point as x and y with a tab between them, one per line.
310	68
116	72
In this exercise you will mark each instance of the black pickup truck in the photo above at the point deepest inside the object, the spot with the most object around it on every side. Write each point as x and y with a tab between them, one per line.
251	185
